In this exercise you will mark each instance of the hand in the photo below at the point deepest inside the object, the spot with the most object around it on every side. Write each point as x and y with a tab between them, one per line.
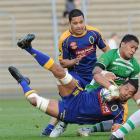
114	91
76	60
110	76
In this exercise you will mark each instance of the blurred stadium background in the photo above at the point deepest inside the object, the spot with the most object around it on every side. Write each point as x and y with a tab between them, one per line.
42	17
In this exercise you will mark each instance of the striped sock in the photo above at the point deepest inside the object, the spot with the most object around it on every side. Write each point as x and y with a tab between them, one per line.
48	130
131	124
98	127
104	126
43	59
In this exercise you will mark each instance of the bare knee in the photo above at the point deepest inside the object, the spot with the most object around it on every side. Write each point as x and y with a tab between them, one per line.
53	109
58	71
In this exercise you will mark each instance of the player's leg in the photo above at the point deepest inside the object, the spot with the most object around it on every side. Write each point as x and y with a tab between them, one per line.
46	62
55	128
132	123
66	80
25	43
58	130
50	126
61	126
104	126
48	106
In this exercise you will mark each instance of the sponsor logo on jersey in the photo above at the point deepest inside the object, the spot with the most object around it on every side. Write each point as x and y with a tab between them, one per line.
114	107
91	40
73	45
84	52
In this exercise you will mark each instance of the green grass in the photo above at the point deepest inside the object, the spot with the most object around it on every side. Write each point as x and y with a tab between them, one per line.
20	121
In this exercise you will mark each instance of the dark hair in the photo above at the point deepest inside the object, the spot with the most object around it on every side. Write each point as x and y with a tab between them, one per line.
75	13
134	83
129	37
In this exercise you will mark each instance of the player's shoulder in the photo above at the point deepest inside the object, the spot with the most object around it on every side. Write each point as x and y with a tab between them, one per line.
92	28
111	52
135	62
65	35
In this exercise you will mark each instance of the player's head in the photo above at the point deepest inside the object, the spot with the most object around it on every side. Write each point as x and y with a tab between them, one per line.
128	89
77	22
128	46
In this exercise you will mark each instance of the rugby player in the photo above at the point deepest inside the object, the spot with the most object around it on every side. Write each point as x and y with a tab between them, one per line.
103	103
122	63
77	53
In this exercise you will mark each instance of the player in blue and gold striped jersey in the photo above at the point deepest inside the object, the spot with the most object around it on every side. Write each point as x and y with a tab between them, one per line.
77	105
77	51
77	47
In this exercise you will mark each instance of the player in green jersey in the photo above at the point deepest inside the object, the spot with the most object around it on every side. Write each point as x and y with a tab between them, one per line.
121	66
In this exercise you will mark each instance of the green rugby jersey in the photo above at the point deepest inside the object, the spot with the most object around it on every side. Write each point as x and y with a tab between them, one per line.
123	69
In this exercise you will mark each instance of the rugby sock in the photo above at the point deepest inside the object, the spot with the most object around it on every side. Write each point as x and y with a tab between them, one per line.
131	123
41	102
25	86
98	127
43	59
104	126
48	130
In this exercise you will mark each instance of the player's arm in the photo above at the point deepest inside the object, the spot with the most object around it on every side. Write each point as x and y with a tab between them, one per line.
101	43
66	63
100	73
103	77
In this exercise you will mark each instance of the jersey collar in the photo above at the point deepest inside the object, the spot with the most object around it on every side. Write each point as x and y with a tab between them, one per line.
78	35
118	52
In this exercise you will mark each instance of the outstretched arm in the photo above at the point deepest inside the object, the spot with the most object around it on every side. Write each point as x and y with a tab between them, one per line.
103	77
106	79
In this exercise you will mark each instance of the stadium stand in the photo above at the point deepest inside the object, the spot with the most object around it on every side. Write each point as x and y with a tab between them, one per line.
30	17
35	16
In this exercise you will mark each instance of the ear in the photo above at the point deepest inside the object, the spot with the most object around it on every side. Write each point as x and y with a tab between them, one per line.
123	44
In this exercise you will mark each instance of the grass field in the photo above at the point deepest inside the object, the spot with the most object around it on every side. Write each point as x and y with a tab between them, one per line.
20	121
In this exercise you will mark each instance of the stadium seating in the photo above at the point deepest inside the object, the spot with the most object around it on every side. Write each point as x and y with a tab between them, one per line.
35	16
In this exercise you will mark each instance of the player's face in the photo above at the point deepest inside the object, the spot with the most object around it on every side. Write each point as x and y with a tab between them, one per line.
126	92
77	25
128	49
